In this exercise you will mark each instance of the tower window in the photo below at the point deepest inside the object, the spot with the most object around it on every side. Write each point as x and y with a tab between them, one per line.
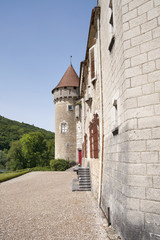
70	107
63	127
75	88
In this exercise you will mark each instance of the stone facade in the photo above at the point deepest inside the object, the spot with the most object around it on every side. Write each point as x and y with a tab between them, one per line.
90	94
126	175
131	78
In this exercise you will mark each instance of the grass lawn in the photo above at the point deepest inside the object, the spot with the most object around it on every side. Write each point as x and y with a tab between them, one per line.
9	175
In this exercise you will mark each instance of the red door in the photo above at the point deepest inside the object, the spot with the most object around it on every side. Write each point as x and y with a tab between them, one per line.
80	156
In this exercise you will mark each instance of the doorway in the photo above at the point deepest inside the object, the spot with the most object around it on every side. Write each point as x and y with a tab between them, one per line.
80	156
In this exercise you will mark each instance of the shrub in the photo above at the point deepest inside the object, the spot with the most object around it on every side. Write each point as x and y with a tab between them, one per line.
47	168
59	164
72	163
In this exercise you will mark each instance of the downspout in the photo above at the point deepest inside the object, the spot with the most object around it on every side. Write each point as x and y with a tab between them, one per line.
101	115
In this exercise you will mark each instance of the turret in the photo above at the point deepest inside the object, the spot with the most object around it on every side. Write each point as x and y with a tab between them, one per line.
66	94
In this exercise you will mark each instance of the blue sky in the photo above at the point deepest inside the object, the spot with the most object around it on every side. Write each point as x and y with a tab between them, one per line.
37	38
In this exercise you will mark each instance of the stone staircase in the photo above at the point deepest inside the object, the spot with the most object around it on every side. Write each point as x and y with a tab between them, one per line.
83	182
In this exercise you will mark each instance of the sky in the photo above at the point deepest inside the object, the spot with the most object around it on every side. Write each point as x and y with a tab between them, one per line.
37	38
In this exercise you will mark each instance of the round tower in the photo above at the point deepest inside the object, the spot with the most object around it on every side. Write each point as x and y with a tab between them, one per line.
66	94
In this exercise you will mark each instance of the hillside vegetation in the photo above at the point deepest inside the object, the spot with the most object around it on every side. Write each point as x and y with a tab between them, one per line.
24	146
12	130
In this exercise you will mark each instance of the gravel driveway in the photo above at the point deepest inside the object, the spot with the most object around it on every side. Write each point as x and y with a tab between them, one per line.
41	205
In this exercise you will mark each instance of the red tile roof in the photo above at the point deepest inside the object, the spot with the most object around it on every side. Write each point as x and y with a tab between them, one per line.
69	79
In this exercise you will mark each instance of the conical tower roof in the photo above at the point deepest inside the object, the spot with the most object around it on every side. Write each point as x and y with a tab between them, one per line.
69	79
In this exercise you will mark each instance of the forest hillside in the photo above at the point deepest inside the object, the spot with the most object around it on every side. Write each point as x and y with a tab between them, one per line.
24	146
12	130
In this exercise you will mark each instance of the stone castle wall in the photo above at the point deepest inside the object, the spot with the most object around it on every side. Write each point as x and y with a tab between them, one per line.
131	77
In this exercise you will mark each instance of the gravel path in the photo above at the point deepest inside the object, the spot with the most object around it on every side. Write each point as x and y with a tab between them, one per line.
41	205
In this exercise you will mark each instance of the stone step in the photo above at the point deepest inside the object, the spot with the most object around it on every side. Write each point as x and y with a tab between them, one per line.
84	177
84	173
84	184
84	180
84	189
87	175
83	170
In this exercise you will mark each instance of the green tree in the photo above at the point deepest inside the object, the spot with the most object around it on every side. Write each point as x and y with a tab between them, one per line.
51	148
3	159
15	157
34	149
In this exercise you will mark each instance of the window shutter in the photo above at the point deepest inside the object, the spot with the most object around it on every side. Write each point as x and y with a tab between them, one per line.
92	63
94	137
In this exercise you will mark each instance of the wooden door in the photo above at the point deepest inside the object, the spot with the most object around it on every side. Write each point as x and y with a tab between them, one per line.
80	156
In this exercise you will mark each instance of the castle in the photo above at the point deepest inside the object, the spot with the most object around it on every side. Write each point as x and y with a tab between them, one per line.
117	115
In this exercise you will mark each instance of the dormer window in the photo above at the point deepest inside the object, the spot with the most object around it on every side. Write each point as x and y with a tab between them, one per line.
111	26
92	63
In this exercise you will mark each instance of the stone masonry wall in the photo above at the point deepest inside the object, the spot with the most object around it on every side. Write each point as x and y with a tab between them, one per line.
131	76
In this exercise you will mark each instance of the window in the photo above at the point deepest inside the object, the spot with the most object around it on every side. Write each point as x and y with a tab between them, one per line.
75	87
70	107
111	26
63	127
60	91
92	63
